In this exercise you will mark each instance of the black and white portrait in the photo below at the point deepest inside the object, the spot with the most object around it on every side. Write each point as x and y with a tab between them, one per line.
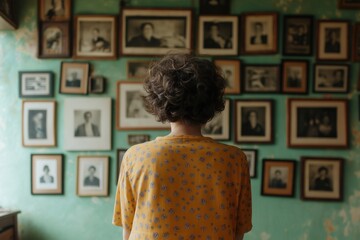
218	35
298	35
46	173
253	121
37	124
97	84
259	33
331	78
91	180
87	123
278	177
262	79
74	77
218	126
137	69
214	126
135	105
320	177
332	44
294	76
95	36
54	9
52	41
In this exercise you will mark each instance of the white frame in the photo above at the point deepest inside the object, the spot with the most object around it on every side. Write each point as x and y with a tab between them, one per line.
225	123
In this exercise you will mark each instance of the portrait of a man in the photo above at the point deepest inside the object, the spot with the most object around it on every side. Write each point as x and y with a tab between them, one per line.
87	128
217	37
277	179
91	180
74	77
332	44
322	179
259	35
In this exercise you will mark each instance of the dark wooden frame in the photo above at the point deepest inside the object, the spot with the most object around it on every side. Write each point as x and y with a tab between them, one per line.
255	151
9	22
204	8
237	75
118	162
51	84
82	90
346	81
356	39
278	79
305	79
68	6
92	78
344	4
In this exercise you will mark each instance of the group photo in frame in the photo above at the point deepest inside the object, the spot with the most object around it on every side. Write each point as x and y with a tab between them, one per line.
137	69
350	4
333	40
55	10
46	174
317	123
74	78
214	7
254	121
298	35
295	76
331	78
151	31
322	178
251	157
37	84
260	33
218	35
278	178
87	124
261	78
219	126
356	42
231	71
38	123
95	37
120	156
92	176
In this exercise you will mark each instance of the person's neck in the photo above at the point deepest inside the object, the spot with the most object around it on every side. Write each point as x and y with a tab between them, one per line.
181	128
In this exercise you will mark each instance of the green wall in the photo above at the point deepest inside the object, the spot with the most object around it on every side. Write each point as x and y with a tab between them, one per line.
68	217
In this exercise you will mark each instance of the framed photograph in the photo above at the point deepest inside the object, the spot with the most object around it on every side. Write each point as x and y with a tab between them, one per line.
7	15
39	123
36	84
54	40
219	126
356	42
149	31
260	33
87	124
295	76
130	110
134	139
251	157
95	37
218	35
215	7
92	176
333	40
278	178
231	69
54	10
253	121
137	69
120	156
97	84
46	174
331	78
322	178
298	35
317	123
351	4
261	78
74	77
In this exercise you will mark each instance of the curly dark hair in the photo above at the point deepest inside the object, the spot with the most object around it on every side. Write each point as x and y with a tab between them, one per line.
182	87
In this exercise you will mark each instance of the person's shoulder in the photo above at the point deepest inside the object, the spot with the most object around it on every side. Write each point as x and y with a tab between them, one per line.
233	150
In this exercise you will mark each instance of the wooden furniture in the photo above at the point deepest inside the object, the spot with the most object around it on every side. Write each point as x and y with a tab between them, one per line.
8	225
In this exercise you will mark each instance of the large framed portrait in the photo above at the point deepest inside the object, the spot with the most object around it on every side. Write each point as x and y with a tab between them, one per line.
317	123
130	110
333	40
54	40
92	176
331	78
322	178
137	69
95	37
215	7
356	42
295	76
46	174
87	124
251	157
260	33
36	84
278	178
149	31
54	10
253	121
261	78
74	78
298	35
120	156
39	123
219	126
218	35
231	70
134	139
351	4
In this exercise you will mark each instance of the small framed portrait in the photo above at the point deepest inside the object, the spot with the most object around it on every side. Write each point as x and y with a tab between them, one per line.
95	37
55	10
231	69
278	178
74	78
97	84
251	157
322	178
351	4
295	76
134	139
333	40
219	126
130	109
54	40
261	79
253	121
39	123
298	35
331	78
92	176
46	174
215	7
218	35
356	42
317	123
148	31
87	124
120	156
137	69
260	33
36	84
